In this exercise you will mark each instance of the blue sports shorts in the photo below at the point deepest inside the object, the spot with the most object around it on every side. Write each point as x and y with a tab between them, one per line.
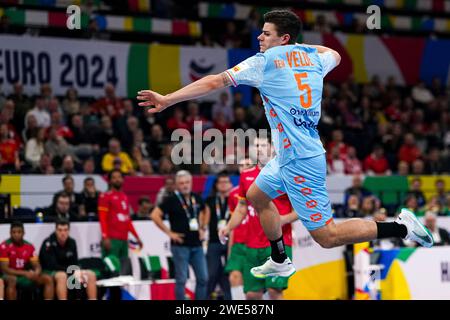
304	181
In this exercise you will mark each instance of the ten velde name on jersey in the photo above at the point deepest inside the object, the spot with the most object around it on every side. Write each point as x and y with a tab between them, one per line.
226	309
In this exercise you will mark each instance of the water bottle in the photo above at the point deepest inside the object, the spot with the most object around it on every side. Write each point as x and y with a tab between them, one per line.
39	217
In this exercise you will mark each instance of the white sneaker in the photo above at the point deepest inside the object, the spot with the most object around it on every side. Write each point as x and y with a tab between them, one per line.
416	230
272	269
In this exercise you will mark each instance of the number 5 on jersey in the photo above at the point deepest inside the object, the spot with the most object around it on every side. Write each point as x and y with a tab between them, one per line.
303	86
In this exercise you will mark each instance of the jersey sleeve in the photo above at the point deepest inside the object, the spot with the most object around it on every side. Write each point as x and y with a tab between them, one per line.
249	71
241	189
328	62
232	201
3	253
103	208
33	256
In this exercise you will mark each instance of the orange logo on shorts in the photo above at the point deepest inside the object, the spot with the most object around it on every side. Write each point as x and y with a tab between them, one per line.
306	191
299	179
236	69
316	217
311	204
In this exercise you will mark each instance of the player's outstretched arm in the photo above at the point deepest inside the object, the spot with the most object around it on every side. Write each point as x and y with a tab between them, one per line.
194	90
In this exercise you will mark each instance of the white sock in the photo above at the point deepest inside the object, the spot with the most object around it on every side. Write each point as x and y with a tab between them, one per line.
237	293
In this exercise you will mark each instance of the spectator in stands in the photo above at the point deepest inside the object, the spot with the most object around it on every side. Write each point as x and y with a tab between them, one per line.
110	104
144	209
240	119
9	152
165	191
352	165
435	164
177	121
69	190
403	168
186	214
217	216
115	153
194	115
418	167
34	148
415	190
338	141
145	169
220	123
114	216
61	209
45	165
57	146
376	163
59	259
140	143
156	141
68	165
441	192
411	203
128	131
166	166
89	166
57	123
433	206
352	207
71	104
440	235
20	264
356	189
88	199
40	113
22	105
336	164
409	151
255	113
30	126
136	158
224	106
106	132
79	133
367	206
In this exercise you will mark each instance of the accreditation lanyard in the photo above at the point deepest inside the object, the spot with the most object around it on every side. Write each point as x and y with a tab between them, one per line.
185	206
221	206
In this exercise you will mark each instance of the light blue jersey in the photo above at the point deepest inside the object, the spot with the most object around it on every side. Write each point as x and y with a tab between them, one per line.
290	81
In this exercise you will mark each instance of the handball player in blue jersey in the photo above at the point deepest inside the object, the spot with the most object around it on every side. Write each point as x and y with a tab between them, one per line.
289	77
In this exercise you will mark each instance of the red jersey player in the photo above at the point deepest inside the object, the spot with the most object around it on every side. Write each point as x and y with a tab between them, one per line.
114	216
258	247
20	264
237	255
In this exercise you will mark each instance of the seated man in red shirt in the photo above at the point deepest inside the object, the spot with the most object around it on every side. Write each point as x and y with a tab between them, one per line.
376	163
20	264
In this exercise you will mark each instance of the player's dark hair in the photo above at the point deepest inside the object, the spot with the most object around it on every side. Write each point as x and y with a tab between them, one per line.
286	22
16	224
112	172
62	222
